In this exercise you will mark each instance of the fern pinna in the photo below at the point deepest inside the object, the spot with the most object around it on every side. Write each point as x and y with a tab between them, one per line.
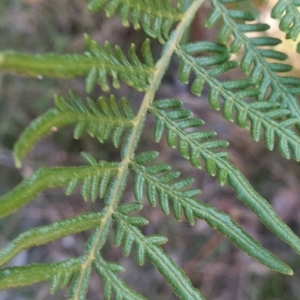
263	102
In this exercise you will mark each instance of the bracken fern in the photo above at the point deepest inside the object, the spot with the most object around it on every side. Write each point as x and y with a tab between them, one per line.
263	102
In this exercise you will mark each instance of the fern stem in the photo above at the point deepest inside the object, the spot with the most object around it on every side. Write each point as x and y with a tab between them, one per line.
133	137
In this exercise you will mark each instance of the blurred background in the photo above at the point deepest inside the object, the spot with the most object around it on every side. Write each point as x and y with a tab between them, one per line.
215	266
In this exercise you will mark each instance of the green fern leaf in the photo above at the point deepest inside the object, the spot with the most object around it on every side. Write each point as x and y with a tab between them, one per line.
254	60
129	208
289	16
155	17
256	115
45	234
175	277
112	283
27	275
102	119
183	200
124	237
96	64
218	164
115	63
44	179
265	103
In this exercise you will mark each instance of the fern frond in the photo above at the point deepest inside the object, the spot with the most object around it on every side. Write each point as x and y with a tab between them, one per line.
45	234
199	145
271	86
154	16
118	184
59	273
113	285
95	64
256	116
159	182
286	11
150	247
102	119
95	178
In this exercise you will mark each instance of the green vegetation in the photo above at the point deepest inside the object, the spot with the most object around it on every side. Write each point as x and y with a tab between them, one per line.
262	98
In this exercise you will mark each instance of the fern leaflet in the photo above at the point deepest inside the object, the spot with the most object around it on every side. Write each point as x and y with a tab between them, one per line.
286	11
196	145
254	58
60	273
154	16
96	64
103	119
95	179
266	115
149	246
112	283
159	180
45	234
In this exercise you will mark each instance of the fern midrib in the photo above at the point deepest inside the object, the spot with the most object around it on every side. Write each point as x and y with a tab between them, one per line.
128	152
229	95
61	66
293	107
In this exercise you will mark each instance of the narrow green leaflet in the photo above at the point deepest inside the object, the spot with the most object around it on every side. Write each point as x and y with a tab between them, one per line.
96	65
287	12
150	247
114	63
45	234
262	116
155	17
95	178
183	201
103	119
254	60
27	275
200	145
